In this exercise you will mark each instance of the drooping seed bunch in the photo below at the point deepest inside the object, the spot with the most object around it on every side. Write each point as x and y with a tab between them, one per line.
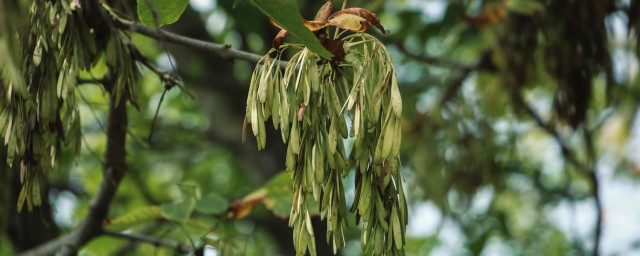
317	104
39	71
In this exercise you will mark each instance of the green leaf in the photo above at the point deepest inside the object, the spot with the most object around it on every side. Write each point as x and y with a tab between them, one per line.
182	210
167	11
279	195
138	216
285	13
212	204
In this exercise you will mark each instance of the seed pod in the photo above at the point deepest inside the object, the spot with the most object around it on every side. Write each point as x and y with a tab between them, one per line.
264	80
388	138
319	164
294	138
378	242
397	139
397	229
332	140
396	99
284	113
275	107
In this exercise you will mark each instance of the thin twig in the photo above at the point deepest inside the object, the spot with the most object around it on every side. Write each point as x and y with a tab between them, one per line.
588	169
151	240
155	116
595	186
93	153
93	111
167	78
465	70
564	148
432	60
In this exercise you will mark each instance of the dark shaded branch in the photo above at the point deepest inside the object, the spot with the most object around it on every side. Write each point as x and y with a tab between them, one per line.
564	148
152	240
432	60
588	169
167	78
598	204
454	86
595	186
113	172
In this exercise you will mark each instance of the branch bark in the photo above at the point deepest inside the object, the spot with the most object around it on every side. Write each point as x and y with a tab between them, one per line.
152	240
113	172
223	50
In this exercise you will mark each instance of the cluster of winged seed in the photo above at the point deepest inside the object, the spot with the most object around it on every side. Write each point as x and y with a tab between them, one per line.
317	104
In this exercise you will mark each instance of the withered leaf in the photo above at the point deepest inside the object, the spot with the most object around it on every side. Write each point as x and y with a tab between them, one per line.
351	23
324	12
278	39
314	25
242	208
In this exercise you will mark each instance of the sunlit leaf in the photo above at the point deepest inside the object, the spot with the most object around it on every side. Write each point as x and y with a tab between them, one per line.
138	216
156	13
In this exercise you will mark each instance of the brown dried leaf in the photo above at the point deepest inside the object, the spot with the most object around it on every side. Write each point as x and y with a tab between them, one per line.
315	25
242	208
350	22
324	12
363	21
277	41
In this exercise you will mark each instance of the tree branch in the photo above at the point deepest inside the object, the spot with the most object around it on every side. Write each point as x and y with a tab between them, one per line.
433	60
223	50
595	186
588	169
167	78
564	148
465	70
152	240
113	172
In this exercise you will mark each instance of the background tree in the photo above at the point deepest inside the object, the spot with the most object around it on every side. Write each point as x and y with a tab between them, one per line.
516	112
